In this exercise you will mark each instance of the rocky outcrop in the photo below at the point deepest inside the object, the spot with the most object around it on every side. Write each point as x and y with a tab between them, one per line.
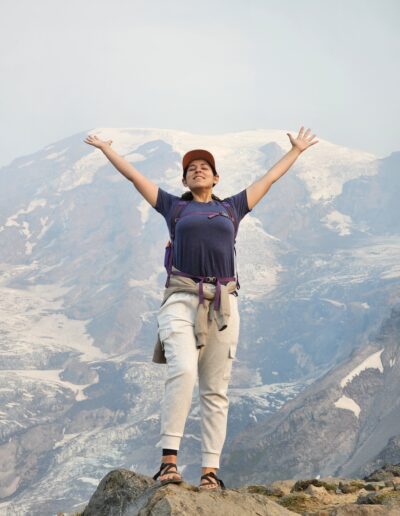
126	493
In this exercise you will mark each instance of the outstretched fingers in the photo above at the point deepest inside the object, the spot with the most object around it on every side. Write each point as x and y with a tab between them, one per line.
300	132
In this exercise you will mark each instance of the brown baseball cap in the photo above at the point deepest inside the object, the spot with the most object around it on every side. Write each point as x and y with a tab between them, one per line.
198	154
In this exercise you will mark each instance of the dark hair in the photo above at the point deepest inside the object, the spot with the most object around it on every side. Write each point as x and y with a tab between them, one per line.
188	196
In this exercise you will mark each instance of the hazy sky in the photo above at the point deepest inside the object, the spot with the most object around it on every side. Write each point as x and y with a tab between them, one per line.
201	66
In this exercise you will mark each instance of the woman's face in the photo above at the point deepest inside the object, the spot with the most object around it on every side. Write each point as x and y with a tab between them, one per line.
199	174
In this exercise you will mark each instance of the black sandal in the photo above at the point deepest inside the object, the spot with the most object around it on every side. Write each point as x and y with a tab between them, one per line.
168	466
218	485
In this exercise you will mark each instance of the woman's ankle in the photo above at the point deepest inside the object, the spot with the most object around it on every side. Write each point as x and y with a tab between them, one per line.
205	470
169	458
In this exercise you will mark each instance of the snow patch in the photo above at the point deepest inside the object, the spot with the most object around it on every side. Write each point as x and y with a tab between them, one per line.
372	362
144	210
257	263
26	164
174	173
44	221
338	222
135	157
391	274
90	480
66	438
35	203
51	376
103	287
324	179
82	172
33	320
348	404
55	155
149	284
333	302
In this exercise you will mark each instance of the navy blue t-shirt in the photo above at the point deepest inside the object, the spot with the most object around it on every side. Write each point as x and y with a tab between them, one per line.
203	246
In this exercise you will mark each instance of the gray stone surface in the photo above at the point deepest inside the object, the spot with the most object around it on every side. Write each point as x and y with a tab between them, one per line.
125	493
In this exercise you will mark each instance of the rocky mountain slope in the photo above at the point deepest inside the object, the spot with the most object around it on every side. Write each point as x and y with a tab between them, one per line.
337	426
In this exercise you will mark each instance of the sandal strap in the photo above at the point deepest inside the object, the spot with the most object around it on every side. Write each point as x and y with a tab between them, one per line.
167	466
211	474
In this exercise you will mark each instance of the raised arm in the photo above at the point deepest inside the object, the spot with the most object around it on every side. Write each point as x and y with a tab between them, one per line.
147	188
256	191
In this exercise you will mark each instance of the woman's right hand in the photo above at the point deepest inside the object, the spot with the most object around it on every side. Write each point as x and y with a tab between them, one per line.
96	142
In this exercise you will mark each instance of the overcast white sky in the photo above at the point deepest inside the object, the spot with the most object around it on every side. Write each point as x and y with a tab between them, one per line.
201	66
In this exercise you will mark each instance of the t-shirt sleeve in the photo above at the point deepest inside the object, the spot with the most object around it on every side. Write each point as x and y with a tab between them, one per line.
164	202
239	203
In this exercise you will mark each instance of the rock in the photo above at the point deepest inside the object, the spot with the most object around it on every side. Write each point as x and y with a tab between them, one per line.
116	491
388	497
370	498
350	487
387	472
302	485
390	453
372	487
318	492
300	502
284	485
125	493
350	509
267	490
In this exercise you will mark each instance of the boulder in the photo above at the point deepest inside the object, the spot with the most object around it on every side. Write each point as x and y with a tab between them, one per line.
126	493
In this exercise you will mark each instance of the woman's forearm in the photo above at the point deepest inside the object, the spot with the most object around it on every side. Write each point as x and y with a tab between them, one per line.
282	166
143	185
120	163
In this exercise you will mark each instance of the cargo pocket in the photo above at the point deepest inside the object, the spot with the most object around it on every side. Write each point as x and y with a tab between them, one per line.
229	362
164	333
232	350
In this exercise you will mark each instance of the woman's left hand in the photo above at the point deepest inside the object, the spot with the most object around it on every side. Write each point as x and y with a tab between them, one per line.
303	140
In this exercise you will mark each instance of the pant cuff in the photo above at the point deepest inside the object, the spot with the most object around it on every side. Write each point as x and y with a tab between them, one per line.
171	442
210	460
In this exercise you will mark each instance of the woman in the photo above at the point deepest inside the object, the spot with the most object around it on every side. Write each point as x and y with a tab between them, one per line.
198	321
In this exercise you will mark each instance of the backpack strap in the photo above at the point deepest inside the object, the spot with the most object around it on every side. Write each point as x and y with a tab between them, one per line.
232	216
175	216
231	213
169	249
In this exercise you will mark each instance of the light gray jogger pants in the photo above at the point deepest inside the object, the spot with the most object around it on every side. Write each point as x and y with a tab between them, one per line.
212	364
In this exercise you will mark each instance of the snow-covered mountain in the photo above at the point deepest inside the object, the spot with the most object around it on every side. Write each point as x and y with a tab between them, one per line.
81	279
